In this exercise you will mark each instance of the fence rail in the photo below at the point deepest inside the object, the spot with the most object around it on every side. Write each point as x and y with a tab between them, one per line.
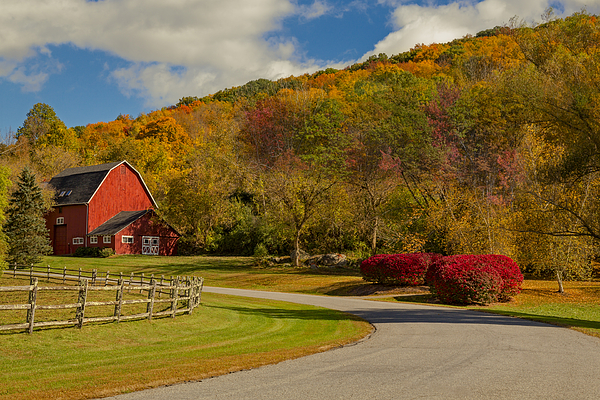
184	294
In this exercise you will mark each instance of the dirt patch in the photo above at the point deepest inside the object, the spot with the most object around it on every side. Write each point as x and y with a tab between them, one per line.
374	289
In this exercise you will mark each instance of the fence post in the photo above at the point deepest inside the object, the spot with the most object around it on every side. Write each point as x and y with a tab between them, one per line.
32	302
31	272
141	281
94	275
162	278
83	287
190	295
48	272
79	277
64	274
119	299
200	293
130	282
106	278
175	298
15	271
151	294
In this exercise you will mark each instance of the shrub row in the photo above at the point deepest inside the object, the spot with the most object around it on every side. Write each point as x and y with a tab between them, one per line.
479	279
462	279
101	252
398	269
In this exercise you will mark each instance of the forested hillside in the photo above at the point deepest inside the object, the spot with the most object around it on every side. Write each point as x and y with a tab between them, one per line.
486	144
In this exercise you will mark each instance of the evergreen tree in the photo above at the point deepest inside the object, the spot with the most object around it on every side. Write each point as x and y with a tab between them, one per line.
25	227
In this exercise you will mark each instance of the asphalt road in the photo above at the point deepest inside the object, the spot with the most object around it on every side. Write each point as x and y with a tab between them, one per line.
417	352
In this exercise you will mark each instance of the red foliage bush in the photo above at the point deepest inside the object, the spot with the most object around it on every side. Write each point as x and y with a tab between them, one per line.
479	279
397	269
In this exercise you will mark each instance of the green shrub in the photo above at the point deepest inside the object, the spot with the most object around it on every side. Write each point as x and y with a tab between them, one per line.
100	252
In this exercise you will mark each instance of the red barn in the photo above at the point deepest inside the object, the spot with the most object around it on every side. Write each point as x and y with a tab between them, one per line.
107	205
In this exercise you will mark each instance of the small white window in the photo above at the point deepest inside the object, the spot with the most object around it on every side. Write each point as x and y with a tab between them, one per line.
93	239
106	239
78	240
127	239
60	221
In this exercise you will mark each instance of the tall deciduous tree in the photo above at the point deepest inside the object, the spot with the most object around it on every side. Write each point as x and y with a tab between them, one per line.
42	127
25	226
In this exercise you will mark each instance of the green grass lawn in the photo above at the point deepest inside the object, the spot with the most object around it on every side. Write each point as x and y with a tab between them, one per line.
235	272
224	334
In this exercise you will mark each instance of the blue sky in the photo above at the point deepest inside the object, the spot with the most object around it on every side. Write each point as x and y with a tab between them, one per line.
94	60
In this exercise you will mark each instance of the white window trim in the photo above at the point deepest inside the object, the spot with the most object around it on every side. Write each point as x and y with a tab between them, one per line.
60	220
127	239
106	239
93	239
77	240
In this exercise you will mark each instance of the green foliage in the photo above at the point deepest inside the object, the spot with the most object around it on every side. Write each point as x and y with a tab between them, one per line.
98	252
25	226
42	127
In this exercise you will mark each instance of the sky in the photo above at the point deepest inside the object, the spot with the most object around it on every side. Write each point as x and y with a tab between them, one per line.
92	60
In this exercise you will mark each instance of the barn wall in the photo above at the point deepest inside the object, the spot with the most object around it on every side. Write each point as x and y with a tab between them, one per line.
148	225
122	190
61	236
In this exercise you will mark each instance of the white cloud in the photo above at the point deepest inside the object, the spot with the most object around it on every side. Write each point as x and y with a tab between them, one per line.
315	10
219	43
433	23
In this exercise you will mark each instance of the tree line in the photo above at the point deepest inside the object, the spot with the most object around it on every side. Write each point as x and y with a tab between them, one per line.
486	144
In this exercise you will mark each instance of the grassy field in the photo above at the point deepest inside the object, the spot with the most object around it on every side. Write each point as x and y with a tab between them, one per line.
236	272
225	334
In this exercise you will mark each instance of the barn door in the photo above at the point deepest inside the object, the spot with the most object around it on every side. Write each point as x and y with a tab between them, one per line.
60	240
150	245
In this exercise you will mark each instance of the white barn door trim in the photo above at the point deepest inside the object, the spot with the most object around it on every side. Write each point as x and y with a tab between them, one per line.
150	245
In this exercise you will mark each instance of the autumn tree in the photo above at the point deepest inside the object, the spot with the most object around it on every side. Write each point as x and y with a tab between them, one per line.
42	127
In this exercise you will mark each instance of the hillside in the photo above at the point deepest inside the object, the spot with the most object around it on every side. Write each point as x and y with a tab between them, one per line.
486	144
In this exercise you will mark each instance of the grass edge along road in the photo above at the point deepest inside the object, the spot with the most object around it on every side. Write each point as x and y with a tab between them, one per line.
578	308
224	335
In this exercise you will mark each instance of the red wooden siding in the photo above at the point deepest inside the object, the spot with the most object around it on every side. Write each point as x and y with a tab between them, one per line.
148	225
122	190
61	236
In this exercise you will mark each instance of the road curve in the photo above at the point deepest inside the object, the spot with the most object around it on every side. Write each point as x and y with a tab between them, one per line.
416	352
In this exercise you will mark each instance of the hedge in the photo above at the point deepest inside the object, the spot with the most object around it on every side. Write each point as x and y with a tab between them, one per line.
397	269
474	279
101	252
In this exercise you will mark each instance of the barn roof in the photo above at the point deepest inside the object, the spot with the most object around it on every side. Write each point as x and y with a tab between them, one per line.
78	185
117	223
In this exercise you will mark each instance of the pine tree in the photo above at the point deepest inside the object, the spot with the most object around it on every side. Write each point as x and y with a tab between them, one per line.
25	226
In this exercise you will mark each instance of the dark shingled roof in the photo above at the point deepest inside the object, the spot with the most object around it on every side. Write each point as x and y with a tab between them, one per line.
81	182
117	223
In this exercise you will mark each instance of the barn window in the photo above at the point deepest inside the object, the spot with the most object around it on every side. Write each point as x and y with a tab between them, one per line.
127	239
78	240
106	239
93	239
60	221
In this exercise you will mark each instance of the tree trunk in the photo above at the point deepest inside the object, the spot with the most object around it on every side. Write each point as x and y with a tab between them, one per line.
296	252
560	283
374	236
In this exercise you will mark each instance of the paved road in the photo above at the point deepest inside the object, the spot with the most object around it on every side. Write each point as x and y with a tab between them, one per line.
417	352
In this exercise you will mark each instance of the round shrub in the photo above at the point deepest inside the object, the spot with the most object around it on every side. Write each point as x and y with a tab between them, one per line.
474	279
397	269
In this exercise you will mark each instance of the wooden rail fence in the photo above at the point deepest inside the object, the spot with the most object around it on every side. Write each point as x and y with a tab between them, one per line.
184	294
